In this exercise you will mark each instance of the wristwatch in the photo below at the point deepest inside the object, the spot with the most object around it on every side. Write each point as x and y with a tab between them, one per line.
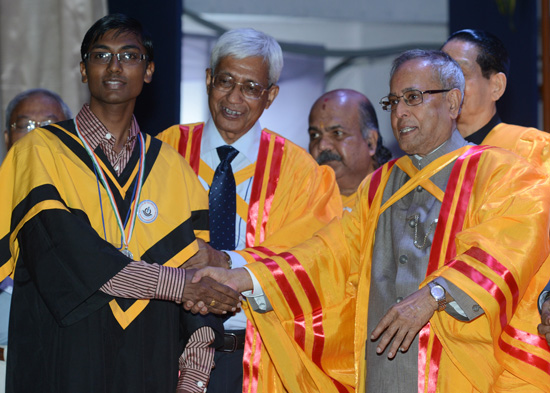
438	293
228	260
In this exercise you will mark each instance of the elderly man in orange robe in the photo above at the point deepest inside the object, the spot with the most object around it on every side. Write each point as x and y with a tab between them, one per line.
421	288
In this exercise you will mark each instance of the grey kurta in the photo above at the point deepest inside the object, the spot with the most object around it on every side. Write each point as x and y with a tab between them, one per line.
398	267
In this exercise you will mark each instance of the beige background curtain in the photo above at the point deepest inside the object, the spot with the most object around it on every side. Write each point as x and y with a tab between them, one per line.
40	47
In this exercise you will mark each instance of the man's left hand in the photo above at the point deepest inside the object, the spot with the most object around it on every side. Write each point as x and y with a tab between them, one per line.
206	256
403	321
544	327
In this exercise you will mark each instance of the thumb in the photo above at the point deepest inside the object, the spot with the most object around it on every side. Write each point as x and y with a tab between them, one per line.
199	274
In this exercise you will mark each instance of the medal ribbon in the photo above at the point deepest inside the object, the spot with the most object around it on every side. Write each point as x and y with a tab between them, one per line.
133	209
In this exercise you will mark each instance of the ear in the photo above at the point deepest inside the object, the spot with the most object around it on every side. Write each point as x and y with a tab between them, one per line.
271	95
7	139
454	98
83	72
208	79
372	142
149	71
498	85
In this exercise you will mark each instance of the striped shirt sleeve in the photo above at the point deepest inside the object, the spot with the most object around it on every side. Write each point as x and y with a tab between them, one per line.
197	361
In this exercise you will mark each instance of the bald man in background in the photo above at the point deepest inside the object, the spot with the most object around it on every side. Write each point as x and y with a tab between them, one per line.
343	134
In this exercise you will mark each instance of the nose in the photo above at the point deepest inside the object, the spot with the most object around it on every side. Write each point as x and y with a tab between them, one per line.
114	65
401	109
324	143
235	94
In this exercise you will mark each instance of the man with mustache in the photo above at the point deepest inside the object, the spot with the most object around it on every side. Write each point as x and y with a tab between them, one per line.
343	134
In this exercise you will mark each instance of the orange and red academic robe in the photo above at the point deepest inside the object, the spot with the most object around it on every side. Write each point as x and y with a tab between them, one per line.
490	241
292	197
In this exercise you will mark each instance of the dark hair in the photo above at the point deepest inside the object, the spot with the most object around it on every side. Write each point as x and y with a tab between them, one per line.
492	55
122	24
369	121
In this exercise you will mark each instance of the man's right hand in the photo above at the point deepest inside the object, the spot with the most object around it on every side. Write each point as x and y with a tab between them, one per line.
238	279
206	256
213	297
544	327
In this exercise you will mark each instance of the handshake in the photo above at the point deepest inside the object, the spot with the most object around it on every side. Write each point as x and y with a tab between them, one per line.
210	286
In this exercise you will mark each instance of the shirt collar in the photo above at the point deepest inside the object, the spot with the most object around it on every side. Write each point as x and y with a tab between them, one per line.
453	143
478	136
248	144
95	132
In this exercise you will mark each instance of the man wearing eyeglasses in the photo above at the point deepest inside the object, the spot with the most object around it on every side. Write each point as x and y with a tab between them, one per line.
263	189
26	111
418	289
97	219
30	109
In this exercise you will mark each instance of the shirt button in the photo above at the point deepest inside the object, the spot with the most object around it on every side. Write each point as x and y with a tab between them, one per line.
475	308
398	300
412	223
419	189
403	259
116	168
200	384
107	136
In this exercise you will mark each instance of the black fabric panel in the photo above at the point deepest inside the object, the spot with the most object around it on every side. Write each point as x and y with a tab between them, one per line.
191	322
45	192
68	262
152	154
93	355
200	220
5	253
171	244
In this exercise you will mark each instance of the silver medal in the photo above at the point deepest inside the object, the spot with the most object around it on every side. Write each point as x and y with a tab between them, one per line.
127	253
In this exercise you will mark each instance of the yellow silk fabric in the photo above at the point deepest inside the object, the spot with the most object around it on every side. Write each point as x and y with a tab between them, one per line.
507	216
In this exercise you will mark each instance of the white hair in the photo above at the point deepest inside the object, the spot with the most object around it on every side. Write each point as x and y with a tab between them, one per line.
247	42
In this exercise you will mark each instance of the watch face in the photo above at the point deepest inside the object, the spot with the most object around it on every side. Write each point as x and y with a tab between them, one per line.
437	292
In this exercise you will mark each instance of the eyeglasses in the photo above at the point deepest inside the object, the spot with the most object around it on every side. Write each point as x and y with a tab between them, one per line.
411	98
29	125
226	83
127	58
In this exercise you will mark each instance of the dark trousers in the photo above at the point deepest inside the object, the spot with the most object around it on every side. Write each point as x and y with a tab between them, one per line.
227	375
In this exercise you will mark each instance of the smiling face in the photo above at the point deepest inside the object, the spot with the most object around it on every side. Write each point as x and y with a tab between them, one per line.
234	114
115	83
335	139
422	128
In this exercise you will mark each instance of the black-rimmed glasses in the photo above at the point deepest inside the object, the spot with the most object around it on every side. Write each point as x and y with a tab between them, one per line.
411	98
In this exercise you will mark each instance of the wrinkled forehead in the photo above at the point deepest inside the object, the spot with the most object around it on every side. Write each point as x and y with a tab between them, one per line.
415	74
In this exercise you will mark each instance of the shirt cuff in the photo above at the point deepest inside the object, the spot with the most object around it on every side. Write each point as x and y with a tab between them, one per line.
237	260
256	298
463	307
197	361
542	298
170	284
